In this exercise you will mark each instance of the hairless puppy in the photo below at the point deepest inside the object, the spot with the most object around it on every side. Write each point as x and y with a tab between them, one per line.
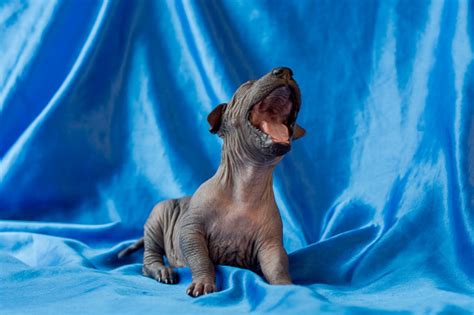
232	218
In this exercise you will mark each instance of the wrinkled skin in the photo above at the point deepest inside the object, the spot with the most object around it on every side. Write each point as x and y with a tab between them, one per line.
232	218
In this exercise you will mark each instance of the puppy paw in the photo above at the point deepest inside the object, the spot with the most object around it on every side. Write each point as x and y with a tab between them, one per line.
162	274
198	288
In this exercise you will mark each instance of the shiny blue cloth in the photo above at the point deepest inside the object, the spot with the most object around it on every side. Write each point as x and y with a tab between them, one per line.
103	114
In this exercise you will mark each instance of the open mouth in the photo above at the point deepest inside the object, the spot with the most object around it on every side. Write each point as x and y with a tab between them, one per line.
271	117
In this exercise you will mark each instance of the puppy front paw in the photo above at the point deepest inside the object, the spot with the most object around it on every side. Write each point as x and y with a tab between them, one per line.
198	288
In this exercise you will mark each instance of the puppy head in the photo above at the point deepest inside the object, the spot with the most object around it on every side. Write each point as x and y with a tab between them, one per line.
260	120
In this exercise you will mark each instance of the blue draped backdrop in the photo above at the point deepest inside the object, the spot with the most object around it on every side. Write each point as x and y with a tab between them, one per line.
103	114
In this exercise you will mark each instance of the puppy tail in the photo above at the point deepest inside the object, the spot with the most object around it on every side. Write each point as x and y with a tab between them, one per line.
132	248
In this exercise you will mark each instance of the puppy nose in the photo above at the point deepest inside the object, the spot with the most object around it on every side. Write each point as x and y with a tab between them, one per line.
282	72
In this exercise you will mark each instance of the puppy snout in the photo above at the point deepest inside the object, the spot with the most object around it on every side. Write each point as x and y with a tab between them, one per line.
282	72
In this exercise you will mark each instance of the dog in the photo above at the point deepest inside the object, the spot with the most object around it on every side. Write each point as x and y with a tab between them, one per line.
232	218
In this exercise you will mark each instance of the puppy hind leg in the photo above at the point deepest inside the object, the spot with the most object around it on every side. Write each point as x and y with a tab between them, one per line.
153	264
154	267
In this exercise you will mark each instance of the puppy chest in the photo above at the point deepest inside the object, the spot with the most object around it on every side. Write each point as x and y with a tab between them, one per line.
234	242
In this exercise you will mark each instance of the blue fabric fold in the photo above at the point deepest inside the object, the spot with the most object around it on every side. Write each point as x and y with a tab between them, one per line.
103	108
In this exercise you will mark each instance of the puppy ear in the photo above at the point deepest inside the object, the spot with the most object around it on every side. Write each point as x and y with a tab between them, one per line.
298	132
215	118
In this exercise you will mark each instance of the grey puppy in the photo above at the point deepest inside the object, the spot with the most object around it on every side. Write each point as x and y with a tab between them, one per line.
232	219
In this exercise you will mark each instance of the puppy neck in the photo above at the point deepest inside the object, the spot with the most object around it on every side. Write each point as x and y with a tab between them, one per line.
245	180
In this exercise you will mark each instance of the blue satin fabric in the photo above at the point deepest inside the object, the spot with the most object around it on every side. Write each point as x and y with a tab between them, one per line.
103	114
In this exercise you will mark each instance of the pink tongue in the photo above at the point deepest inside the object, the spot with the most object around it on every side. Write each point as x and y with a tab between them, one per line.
278	132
